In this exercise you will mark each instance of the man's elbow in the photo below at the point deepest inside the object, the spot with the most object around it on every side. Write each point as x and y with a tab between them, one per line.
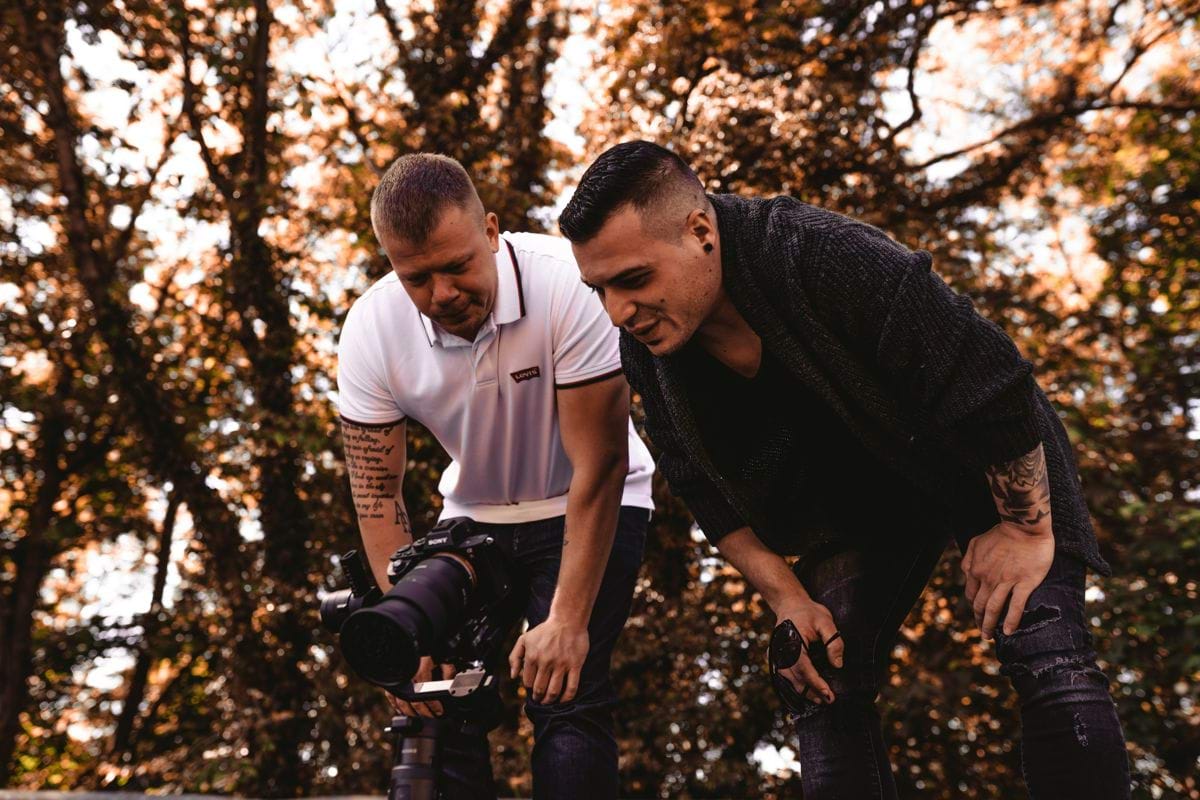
605	466
615	463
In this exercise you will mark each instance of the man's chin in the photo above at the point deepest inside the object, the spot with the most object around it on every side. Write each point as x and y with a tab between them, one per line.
663	347
462	328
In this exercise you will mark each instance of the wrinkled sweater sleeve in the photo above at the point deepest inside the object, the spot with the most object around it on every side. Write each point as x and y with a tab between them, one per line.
957	370
684	477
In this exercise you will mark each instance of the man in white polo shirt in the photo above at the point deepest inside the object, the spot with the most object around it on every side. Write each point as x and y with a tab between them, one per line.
493	343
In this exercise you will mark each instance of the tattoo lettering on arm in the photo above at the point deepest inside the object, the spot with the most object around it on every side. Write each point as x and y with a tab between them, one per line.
402	516
1022	488
373	482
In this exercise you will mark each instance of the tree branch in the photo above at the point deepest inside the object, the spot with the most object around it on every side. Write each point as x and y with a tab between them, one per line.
152	710
505	39
140	674
355	125
121	246
1069	107
1141	105
1137	50
685	116
255	134
389	20
215	172
910	85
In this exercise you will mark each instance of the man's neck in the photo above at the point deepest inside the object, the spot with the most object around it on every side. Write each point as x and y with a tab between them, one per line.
470	334
728	337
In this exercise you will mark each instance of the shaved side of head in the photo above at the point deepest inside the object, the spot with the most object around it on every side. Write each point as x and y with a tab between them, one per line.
658	184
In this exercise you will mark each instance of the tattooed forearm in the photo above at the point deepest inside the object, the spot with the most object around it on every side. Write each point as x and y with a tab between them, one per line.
374	480
1021	489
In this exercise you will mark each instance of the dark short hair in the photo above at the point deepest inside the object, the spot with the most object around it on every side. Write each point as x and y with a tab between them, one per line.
415	190
646	175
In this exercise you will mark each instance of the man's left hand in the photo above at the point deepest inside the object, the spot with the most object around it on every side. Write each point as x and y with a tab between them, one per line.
549	659
1006	563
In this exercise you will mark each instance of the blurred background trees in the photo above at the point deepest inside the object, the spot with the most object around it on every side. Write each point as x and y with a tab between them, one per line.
183	196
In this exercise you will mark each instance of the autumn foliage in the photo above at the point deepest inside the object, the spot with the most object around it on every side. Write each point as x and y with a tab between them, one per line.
183	226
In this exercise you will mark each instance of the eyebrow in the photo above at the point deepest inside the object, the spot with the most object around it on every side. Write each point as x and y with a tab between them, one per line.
454	262
625	273
445	265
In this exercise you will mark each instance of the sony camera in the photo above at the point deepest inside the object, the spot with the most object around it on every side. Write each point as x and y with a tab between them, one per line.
451	598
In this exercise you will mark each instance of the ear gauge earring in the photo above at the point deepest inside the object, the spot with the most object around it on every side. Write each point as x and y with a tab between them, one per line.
708	248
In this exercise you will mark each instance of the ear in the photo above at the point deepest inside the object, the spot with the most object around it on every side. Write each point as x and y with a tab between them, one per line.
491	226
701	225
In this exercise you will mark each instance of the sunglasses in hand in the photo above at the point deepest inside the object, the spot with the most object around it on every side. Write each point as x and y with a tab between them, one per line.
786	647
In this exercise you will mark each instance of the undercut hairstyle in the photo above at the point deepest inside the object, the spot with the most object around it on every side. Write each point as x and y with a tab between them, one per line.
656	182
414	192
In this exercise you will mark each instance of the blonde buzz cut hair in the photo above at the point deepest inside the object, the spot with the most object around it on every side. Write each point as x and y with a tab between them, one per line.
415	190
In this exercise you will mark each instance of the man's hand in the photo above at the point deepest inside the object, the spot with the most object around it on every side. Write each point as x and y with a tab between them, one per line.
549	659
815	624
1006	563
424	673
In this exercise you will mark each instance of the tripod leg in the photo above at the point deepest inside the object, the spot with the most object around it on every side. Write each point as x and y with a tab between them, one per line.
414	763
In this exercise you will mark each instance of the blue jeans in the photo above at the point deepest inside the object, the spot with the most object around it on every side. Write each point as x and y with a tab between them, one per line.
574	750
1072	743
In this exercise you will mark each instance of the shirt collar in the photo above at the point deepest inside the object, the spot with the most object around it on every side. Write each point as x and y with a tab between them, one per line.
510	298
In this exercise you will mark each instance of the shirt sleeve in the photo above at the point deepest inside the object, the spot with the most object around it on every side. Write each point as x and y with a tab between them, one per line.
363	395
586	347
957	371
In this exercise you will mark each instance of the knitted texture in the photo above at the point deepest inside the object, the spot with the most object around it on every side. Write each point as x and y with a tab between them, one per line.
931	388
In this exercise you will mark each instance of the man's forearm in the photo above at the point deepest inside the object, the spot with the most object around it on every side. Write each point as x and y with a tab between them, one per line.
1021	489
593	503
375	457
384	536
766	570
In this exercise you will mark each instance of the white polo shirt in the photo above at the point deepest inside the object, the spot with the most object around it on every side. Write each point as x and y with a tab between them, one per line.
491	403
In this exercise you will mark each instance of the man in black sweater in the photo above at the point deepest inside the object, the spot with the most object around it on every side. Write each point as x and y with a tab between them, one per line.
816	390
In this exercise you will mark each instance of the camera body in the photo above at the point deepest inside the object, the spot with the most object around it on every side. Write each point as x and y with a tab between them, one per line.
451	598
457	537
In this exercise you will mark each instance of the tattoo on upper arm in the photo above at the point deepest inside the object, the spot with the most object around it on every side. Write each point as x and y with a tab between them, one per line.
402	516
1022	488
373	481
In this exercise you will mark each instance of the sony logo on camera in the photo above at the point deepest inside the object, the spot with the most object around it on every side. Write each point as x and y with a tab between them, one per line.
433	539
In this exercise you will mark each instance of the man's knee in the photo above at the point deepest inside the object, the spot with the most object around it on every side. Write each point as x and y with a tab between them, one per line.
1049	657
853	707
593	702
576	737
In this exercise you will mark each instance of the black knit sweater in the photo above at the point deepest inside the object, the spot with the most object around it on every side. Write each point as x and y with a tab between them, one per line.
934	390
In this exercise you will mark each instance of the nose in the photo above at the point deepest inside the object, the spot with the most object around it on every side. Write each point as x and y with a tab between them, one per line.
444	291
620	308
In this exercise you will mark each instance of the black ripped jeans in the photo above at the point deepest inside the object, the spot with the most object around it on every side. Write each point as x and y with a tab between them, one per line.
1072	744
574	750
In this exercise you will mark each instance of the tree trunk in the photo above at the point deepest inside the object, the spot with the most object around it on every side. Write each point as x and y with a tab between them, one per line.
173	457
260	296
123	743
32	556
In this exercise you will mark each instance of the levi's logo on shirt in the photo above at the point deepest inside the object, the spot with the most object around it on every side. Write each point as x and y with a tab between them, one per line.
527	374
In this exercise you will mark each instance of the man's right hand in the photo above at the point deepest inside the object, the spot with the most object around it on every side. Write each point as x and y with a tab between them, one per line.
770	574
815	624
424	673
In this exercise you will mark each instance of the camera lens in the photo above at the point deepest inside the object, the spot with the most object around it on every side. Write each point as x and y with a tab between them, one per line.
336	607
381	648
384	642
